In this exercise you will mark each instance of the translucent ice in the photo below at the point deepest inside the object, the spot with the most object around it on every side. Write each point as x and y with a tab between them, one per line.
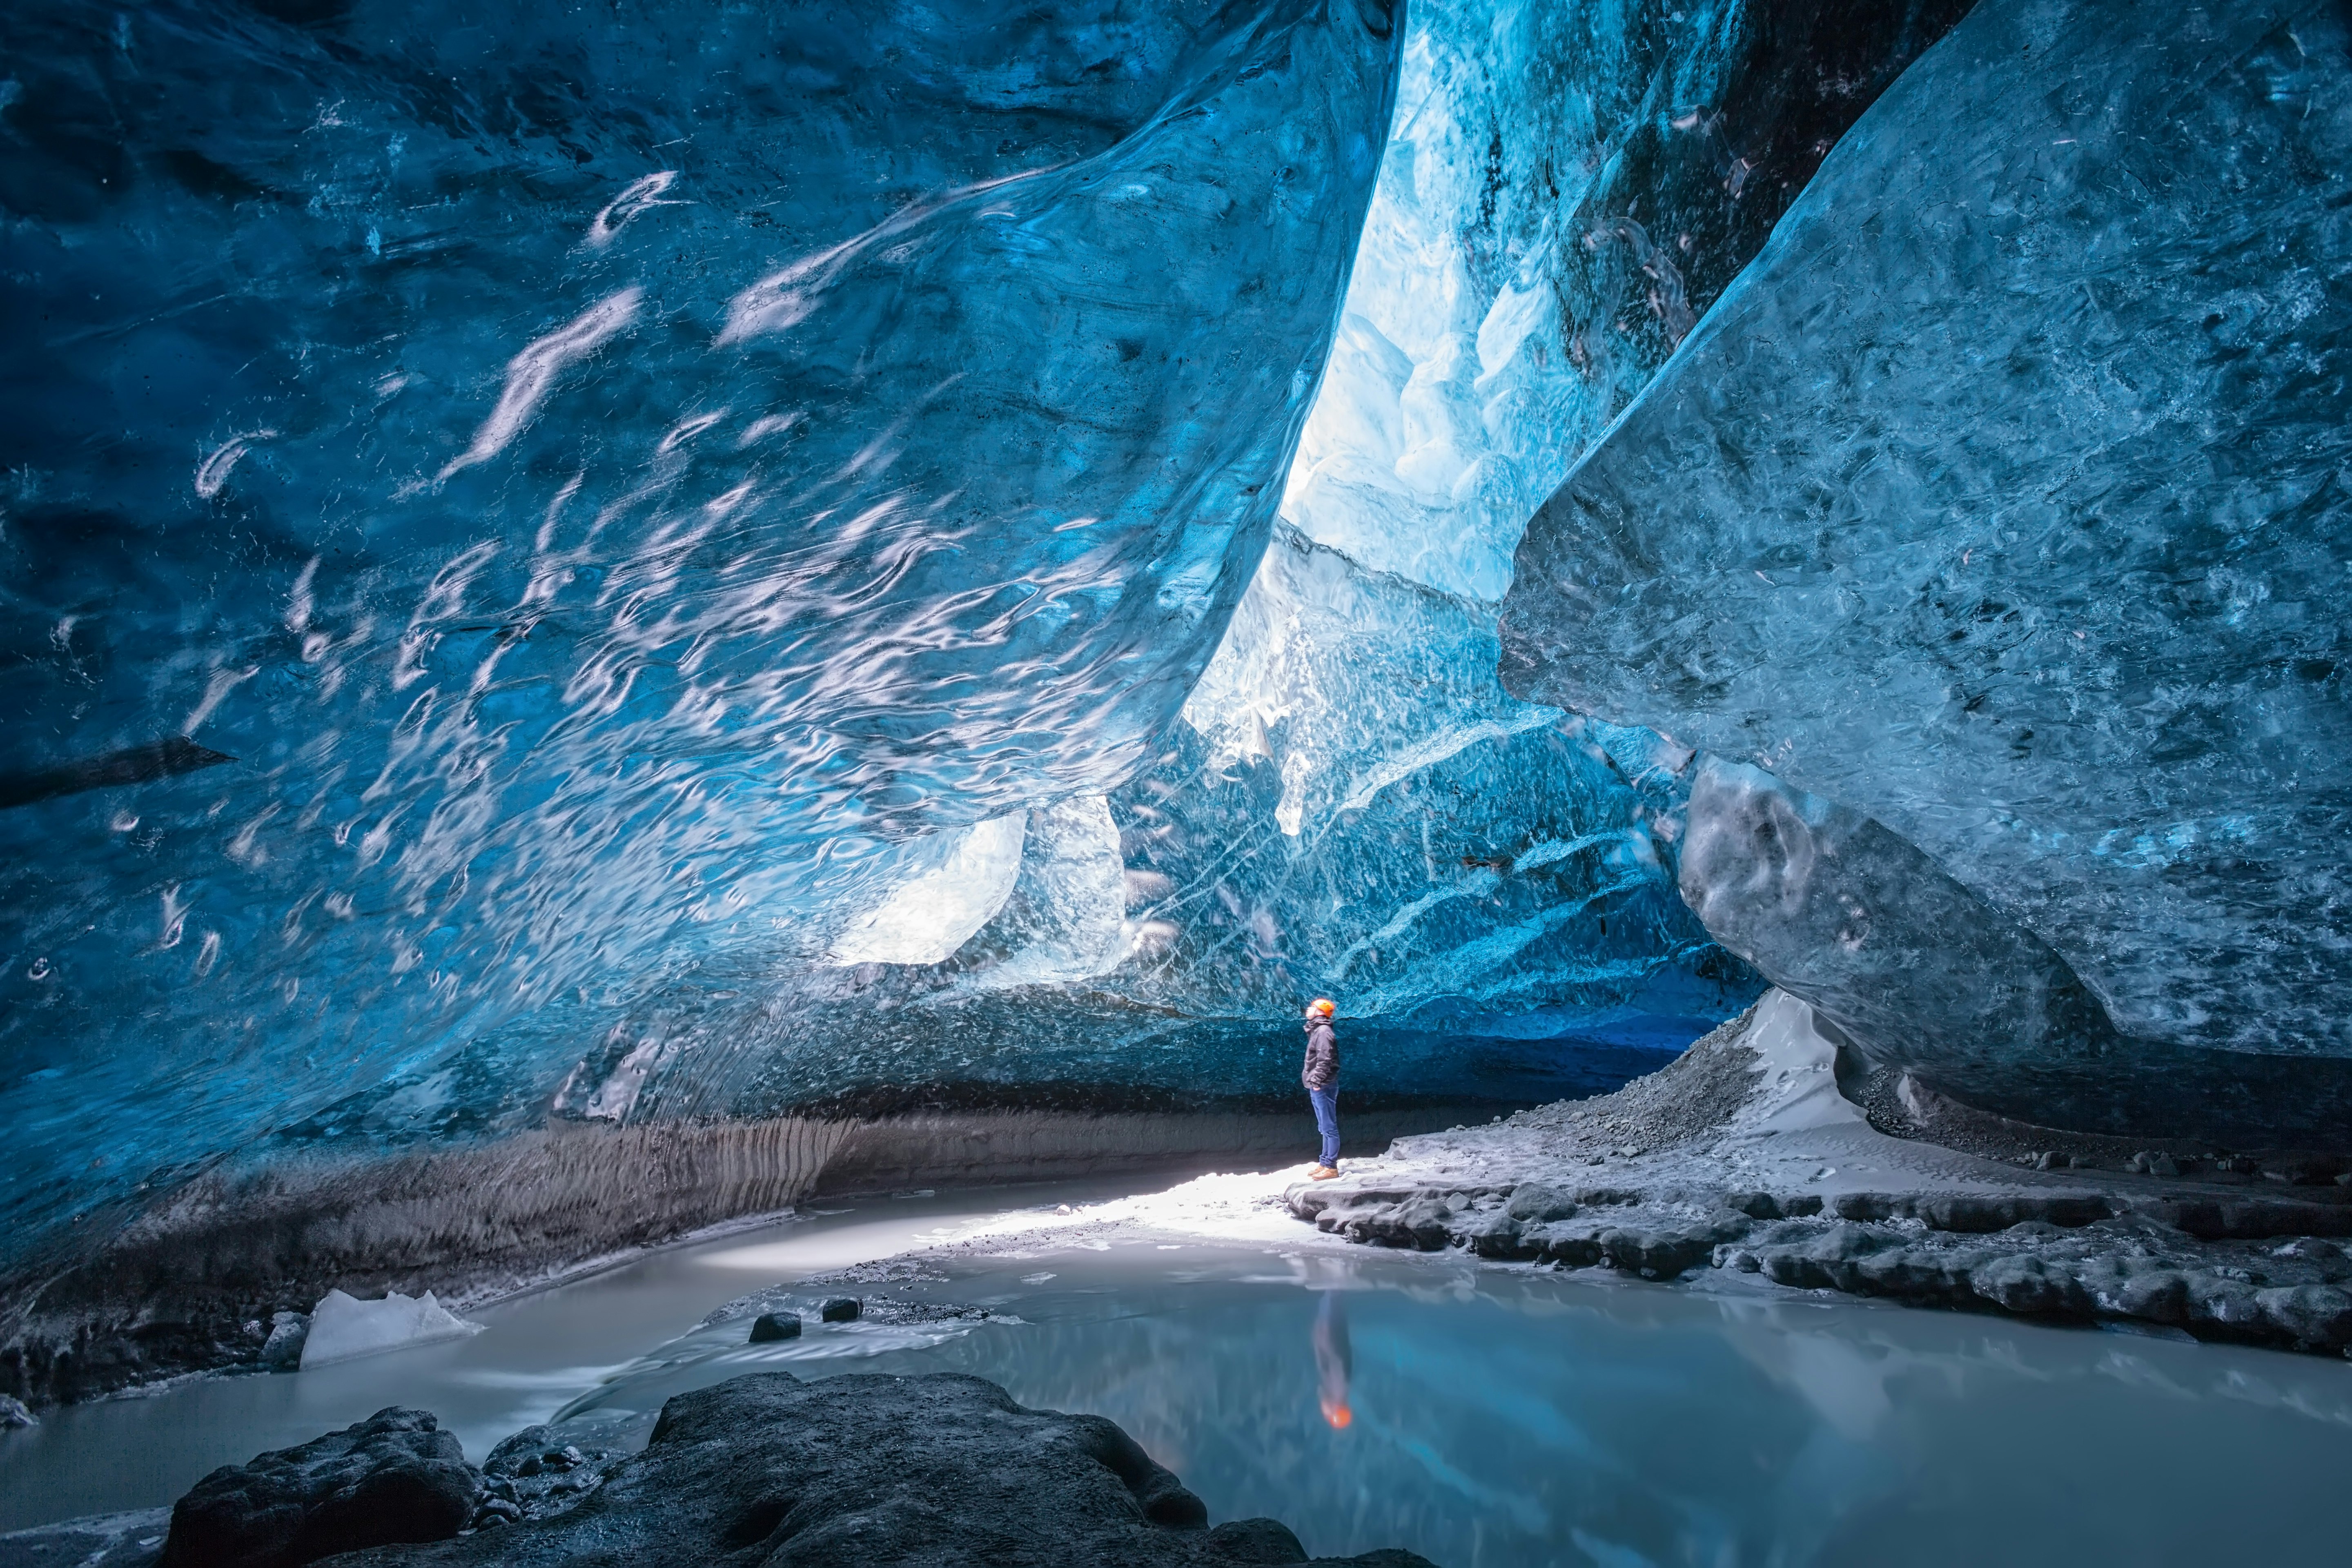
1353	806
1917	972
1569	187
929	915
342	1326
2002	501
624	568
1066	919
508	508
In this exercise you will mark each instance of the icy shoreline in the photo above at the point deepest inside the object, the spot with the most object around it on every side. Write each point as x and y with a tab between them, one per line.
1745	1160
193	1286
1757	1161
1745	1157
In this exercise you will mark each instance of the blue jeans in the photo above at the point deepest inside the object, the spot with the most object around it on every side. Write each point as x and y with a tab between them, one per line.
1327	1117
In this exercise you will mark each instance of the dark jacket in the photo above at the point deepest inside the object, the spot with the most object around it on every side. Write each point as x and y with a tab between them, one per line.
1322	1069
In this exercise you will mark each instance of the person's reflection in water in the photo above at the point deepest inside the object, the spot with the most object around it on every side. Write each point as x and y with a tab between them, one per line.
1333	1361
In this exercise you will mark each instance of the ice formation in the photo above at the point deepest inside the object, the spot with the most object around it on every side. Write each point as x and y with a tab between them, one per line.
2001	501
342	1326
547	506
926	917
1349	800
735	560
1861	924
1567	189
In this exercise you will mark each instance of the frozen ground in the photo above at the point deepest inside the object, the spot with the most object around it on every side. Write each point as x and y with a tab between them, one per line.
1746	1157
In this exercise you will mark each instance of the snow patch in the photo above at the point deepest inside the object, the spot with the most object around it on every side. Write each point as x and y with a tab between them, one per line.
1799	1083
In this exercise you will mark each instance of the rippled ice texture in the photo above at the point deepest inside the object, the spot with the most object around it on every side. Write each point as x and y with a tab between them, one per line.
593	487
2002	499
1349	804
694	533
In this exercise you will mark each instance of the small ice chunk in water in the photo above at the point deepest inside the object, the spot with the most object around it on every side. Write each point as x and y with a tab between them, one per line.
342	1326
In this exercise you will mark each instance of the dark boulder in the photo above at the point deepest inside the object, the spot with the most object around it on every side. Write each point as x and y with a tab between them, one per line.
842	1309
394	1477
1254	1540
875	1471
770	1327
545	1470
1539	1201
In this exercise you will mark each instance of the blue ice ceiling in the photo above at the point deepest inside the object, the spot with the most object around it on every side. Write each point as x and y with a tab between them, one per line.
690	560
614	490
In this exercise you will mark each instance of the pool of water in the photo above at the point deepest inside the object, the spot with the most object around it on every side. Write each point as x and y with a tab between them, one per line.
1481	1416
536	1351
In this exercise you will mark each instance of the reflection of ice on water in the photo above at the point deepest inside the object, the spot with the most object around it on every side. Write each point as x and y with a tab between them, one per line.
1496	1417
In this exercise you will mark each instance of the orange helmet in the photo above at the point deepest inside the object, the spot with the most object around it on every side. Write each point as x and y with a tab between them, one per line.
1322	1006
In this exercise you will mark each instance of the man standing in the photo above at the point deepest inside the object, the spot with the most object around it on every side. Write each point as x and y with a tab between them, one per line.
1321	1076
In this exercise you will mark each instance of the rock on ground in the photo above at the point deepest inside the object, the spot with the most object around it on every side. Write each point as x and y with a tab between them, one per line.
1747	1155
394	1476
288	1334
549	1469
101	1540
869	1471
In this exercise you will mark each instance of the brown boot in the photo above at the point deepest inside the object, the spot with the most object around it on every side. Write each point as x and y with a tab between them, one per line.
1323	1173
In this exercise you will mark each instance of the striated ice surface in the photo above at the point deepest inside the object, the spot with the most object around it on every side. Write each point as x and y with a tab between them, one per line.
1355	807
1489	886
2001	500
516	508
714	560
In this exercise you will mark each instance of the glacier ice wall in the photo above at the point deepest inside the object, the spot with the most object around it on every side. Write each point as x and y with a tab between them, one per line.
647	565
1855	921
516	508
2001	500
1507	301
1489	885
1568	188
1350	804
1914	970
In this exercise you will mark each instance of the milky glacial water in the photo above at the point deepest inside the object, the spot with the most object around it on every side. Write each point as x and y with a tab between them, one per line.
1491	1415
537	1351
